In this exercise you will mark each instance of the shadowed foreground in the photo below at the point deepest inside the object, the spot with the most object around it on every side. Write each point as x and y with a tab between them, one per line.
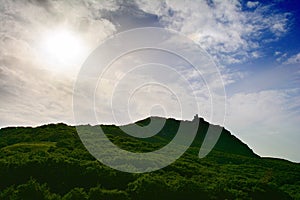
50	162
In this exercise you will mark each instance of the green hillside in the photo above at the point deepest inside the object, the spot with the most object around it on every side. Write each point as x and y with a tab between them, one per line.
50	162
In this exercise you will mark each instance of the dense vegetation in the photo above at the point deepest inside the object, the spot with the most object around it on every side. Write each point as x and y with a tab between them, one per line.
50	162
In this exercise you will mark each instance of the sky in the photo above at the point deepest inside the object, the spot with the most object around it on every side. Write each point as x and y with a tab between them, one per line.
254	44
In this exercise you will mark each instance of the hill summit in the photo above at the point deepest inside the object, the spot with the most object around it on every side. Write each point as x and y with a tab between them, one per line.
227	142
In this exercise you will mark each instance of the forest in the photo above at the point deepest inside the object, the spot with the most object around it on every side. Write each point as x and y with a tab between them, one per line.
50	162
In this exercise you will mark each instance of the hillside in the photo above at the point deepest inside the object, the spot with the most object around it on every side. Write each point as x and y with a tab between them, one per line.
227	142
50	162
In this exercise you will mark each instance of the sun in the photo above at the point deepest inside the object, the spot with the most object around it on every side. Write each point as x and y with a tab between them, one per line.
62	48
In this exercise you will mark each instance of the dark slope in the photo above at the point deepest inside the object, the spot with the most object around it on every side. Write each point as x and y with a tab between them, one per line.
50	162
227	142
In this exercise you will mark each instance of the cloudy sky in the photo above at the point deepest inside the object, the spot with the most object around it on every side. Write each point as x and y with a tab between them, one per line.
254	44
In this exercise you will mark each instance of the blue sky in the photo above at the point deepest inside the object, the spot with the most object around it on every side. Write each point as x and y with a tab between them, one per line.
255	44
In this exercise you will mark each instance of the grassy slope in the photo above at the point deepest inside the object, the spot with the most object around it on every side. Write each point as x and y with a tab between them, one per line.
53	154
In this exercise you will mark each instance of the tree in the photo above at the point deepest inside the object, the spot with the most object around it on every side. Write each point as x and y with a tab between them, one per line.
76	194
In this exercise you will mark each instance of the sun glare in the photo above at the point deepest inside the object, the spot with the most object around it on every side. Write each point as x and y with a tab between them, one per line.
62	48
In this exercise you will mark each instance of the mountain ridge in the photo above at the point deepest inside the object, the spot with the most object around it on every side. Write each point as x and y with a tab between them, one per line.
50	162
201	133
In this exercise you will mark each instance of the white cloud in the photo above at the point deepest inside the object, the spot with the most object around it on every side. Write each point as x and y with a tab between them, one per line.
32	97
295	59
267	121
172	84
255	54
232	76
31	93
282	56
277	53
252	4
24	24
221	27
